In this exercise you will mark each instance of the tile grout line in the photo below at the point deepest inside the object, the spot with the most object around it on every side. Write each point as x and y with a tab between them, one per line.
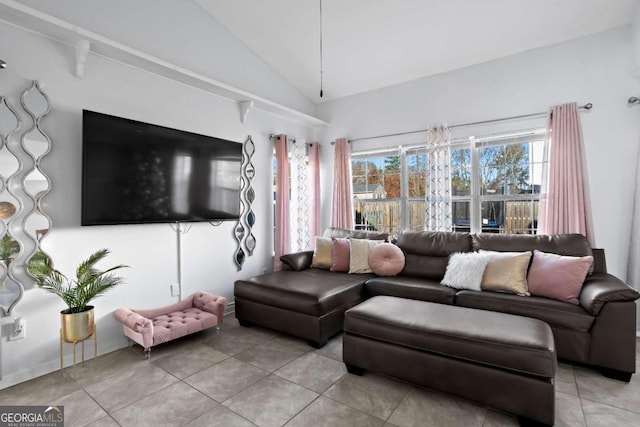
81	387
347	405
575	381
182	380
411	388
612	406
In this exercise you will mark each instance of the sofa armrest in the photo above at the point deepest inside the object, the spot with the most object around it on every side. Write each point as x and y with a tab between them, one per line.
211	303
599	289
298	261
137	323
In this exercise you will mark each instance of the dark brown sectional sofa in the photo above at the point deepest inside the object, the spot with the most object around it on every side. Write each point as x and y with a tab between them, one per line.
310	303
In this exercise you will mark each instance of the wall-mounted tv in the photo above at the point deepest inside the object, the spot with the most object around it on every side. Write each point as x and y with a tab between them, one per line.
134	173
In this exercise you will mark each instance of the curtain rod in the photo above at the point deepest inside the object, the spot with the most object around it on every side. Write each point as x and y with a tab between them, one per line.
584	107
274	136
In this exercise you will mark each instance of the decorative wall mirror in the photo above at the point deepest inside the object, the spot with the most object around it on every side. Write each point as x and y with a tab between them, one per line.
36	183
10	289
23	183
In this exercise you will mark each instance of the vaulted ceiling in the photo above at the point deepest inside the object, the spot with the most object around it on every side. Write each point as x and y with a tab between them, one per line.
369	44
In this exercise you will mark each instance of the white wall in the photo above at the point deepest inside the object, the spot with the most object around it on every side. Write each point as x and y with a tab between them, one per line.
150	250
182	33
594	69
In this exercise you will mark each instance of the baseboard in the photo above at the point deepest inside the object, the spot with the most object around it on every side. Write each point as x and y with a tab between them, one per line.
231	308
54	365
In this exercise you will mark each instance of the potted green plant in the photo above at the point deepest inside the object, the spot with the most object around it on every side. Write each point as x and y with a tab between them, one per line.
77	320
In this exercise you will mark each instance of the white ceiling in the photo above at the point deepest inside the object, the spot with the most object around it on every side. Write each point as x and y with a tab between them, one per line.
369	44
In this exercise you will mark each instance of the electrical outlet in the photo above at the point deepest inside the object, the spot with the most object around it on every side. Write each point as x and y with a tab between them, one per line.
18	329
264	270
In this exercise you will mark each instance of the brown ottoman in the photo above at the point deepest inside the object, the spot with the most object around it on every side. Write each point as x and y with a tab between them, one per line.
501	360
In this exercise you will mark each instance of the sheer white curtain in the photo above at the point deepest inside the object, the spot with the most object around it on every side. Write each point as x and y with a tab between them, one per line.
438	216
301	197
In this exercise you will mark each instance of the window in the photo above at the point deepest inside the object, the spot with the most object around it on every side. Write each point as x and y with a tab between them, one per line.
495	185
376	191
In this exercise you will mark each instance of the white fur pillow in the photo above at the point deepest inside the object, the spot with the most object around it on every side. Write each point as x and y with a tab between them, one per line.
465	270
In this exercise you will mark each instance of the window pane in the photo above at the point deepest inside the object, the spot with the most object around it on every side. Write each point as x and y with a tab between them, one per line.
381	215
504	169
537	163
461	212
392	185
416	215
416	165
521	216
492	215
359	172
461	172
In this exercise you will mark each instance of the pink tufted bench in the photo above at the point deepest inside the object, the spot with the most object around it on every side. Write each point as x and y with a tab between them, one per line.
148	328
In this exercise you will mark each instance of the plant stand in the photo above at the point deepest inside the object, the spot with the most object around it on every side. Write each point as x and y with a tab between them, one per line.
94	335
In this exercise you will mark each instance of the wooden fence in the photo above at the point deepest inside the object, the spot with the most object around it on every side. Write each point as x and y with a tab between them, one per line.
519	218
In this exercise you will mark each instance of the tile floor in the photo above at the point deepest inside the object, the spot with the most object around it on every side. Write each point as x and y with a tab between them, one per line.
241	377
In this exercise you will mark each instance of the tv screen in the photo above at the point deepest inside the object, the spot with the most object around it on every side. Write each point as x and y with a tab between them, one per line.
134	172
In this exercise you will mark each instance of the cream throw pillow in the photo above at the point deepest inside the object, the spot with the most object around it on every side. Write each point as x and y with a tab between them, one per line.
506	272
323	254
359	260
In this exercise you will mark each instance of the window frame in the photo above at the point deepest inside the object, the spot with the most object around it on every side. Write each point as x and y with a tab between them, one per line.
475	197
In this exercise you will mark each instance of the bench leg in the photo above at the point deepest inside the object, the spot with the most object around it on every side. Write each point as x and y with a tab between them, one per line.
616	375
147	353
354	370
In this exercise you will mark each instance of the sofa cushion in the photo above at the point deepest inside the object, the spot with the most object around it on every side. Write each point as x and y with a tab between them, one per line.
359	261
313	291
354	234
465	270
297	261
386	259
427	252
558	277
410	287
561	244
323	254
506	272
556	313
340	255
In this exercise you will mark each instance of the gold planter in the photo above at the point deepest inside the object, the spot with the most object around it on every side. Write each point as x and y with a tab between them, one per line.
77	327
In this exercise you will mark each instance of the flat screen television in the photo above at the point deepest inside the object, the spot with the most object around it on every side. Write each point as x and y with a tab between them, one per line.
135	173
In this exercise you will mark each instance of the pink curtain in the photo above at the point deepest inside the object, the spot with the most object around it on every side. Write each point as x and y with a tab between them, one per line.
314	184
566	206
282	201
342	208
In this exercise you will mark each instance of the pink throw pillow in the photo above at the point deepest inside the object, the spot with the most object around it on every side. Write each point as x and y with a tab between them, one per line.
386	259
558	277
341	255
